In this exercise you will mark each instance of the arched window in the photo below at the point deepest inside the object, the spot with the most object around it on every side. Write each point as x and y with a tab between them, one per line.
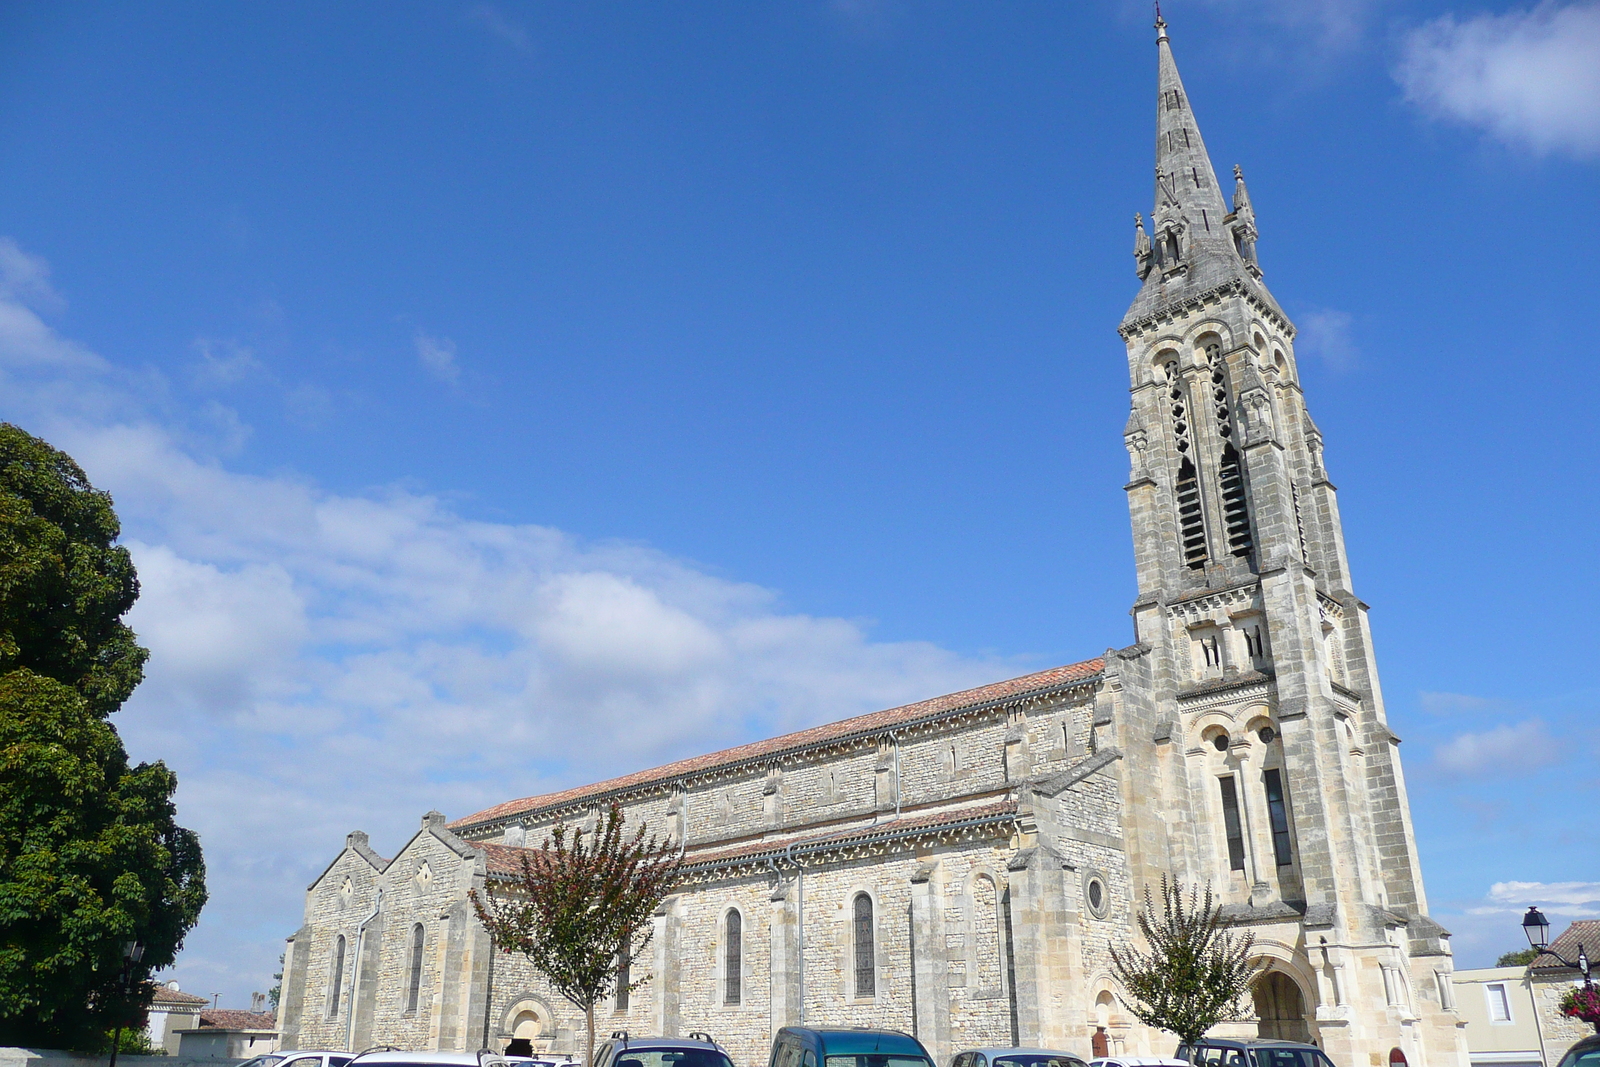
624	978
414	986
986	936
336	978
733	957
866	960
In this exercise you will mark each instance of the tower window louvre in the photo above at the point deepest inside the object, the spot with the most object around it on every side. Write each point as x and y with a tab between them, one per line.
1232	825
1235	509
1278	816
1299	523
1191	523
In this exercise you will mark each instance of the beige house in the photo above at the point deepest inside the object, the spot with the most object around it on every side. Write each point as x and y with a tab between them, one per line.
229	1035
1497	1005
172	1010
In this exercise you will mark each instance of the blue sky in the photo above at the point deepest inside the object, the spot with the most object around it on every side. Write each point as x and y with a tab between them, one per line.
477	380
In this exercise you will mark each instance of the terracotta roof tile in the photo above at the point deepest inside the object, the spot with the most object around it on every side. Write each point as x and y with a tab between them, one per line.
877	720
229	1019
1585	932
177	998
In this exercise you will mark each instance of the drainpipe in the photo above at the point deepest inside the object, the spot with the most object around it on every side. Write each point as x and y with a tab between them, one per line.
895	741
355	973
800	894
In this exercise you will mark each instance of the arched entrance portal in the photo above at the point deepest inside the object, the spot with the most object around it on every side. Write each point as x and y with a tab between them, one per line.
1280	1009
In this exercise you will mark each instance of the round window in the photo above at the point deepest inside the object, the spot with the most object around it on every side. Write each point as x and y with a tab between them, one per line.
1267	735
1096	895
1220	742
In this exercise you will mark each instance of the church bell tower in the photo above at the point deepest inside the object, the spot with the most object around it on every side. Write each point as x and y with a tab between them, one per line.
1250	701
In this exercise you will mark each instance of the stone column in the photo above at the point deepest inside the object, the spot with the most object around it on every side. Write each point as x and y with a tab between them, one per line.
666	971
928	964
784	1008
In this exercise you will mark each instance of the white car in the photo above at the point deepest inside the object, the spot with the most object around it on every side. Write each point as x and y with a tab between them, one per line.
396	1058
302	1058
1137	1061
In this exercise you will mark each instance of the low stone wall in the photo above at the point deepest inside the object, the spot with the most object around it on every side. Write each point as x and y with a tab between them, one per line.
46	1057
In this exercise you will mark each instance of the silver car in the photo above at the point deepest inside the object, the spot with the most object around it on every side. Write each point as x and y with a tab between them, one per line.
1016	1057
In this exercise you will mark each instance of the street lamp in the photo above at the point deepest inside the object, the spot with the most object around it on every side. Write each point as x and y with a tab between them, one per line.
132	953
1537	927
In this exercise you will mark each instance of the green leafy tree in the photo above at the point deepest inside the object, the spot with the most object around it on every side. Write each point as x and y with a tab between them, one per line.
1520	958
90	854
583	903
1194	974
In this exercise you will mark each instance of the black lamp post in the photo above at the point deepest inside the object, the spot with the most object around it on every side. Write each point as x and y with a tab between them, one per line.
1537	927
132	953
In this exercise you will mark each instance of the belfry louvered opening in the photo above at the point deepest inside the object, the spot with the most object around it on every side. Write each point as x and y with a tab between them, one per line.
1191	521
1235	509
1186	490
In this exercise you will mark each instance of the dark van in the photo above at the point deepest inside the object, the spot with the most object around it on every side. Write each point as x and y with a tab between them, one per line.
799	1046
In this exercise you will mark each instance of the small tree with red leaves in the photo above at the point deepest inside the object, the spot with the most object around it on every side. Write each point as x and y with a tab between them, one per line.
581	905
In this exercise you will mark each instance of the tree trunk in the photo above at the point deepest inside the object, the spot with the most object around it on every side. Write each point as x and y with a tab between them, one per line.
588	1014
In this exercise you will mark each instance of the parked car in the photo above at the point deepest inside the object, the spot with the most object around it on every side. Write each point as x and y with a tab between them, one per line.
1136	1061
697	1050
800	1046
388	1057
1017	1057
1585	1053
1252	1052
302	1058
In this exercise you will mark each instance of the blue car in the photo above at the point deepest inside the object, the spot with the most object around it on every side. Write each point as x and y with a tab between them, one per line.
799	1046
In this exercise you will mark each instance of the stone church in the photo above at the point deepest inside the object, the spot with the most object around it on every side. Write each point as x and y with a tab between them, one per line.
960	868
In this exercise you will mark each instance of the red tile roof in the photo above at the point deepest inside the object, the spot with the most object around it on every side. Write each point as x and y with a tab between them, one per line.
877	720
229	1019
168	997
1585	932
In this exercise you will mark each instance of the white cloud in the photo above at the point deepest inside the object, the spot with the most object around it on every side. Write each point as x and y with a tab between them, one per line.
25	278
494	20
1529	77
438	357
1574	899
1505	749
1485	927
325	662
1326	335
224	363
1440	703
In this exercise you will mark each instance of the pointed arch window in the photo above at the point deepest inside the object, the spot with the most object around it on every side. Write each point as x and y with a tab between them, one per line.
866	957
624	978
336	978
733	957
414	985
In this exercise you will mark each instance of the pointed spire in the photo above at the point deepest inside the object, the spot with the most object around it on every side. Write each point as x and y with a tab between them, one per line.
1189	205
1241	196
